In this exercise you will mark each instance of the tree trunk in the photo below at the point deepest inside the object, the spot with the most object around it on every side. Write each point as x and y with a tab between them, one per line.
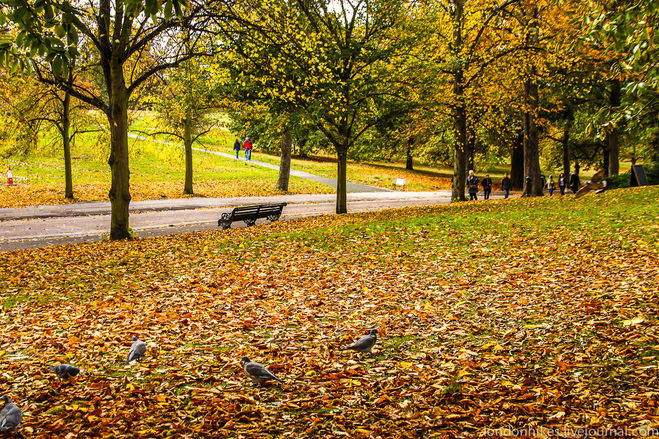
66	143
341	181
517	162
531	147
605	157
409	165
566	151
470	145
613	134
187	143
460	111
285	161
531	144
118	161
459	157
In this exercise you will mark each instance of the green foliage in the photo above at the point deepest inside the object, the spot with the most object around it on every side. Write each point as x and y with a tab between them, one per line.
624	179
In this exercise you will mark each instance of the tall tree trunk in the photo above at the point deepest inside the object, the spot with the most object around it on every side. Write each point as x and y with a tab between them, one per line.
459	157
187	143
613	134
531	144
460	111
285	160
470	146
566	151
341	180
409	165
118	161
605	157
517	161
66	143
531	147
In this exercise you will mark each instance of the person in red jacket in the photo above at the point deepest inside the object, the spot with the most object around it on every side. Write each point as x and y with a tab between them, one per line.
247	144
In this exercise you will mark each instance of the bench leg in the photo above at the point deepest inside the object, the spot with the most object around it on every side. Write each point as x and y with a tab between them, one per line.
250	222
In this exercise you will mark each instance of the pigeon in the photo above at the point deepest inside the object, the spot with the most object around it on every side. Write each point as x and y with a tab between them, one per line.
10	416
364	344
258	372
137	350
64	371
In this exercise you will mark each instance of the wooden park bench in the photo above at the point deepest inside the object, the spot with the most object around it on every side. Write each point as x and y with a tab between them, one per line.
249	214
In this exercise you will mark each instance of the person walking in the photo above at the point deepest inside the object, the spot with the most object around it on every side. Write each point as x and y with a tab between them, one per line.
506	185
247	144
562	183
236	146
551	185
472	185
487	187
574	181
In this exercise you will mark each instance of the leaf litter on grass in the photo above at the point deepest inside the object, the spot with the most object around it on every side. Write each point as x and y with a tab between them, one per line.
510	314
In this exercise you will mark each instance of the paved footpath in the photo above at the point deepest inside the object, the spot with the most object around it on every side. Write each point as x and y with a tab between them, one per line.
40	226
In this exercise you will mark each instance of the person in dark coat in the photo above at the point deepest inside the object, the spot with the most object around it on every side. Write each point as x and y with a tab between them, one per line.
472	185
562	183
574	182
236	146
506	185
487	186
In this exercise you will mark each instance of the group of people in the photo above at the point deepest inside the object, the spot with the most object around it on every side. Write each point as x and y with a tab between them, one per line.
247	145
506	184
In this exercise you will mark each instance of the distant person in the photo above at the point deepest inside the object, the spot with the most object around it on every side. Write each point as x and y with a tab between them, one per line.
506	185
472	185
236	146
551	185
487	186
562	183
574	181
543	183
247	144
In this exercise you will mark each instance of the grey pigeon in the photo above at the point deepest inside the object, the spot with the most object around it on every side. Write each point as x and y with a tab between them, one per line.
64	371
258	372
10	416
137	350
364	344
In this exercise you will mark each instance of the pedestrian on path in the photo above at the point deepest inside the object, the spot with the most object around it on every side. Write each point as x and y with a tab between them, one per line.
472	185
506	184
236	146
247	144
487	186
562	183
551	185
574	180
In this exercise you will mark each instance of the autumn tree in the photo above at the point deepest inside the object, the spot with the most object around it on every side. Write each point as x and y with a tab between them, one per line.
328	60
120	33
185	102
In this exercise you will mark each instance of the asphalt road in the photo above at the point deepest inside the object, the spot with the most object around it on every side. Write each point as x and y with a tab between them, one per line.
33	227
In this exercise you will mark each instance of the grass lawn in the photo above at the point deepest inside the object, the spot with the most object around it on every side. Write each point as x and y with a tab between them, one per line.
521	313
157	171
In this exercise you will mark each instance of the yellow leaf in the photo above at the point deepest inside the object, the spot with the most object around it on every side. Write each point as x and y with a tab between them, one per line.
634	321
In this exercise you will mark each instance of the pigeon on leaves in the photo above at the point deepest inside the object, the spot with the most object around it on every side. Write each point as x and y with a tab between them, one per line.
10	416
64	371
364	344
137	350
258	373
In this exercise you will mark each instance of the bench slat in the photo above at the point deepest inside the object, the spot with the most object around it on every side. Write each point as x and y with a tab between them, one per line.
249	214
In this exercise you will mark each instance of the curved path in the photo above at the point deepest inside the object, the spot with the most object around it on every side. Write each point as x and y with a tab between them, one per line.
350	187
